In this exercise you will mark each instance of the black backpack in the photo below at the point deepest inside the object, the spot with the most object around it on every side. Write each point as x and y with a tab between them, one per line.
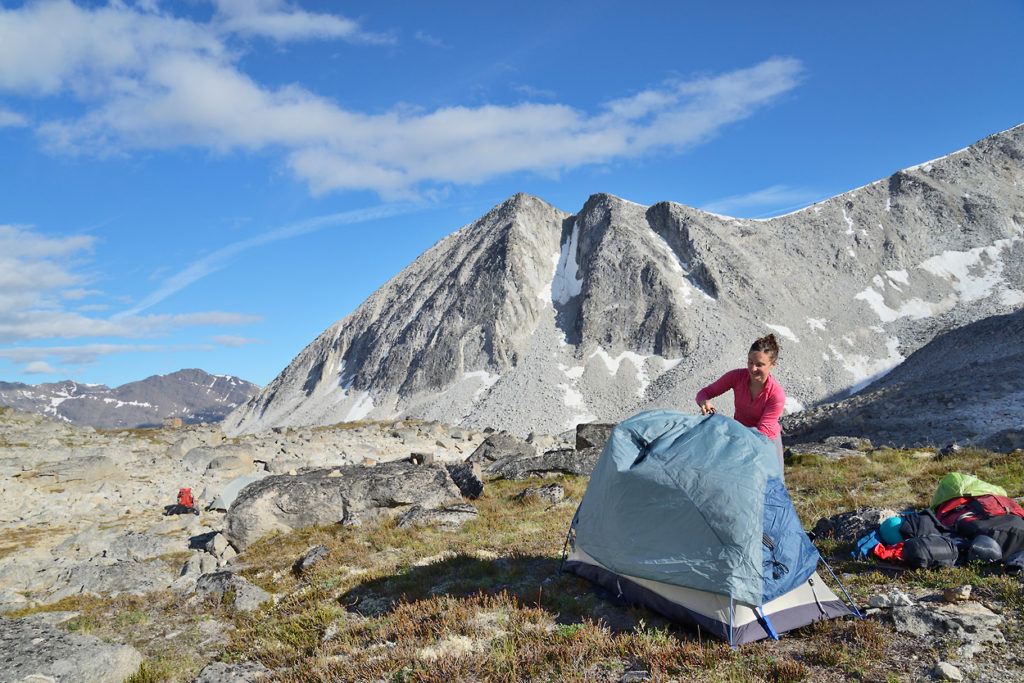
1007	530
933	550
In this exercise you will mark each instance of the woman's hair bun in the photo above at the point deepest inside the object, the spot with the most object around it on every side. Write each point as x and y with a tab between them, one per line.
767	344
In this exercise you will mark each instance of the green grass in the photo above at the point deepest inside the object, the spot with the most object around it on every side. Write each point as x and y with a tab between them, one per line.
487	602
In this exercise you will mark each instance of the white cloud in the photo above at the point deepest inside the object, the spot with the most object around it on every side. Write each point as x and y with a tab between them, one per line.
39	367
221	257
149	80
535	93
10	118
69	355
282	22
233	341
427	39
85	354
38	273
782	196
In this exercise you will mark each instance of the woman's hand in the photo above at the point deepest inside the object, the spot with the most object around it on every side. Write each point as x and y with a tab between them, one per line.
707	408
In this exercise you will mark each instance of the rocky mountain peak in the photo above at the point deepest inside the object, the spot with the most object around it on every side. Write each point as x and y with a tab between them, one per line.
532	319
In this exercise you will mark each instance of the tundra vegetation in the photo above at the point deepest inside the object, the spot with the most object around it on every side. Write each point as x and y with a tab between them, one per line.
487	601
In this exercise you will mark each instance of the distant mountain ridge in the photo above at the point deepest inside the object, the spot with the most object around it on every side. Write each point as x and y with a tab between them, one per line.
193	395
533	319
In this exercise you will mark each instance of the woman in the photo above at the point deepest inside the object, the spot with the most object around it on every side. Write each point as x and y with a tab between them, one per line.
758	398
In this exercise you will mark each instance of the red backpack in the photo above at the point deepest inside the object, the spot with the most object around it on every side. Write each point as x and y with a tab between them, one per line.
185	498
975	508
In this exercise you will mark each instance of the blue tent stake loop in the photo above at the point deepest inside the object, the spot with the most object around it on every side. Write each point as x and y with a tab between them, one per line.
731	644
768	624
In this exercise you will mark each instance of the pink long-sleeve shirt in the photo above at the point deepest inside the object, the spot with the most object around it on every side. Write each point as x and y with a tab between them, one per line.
762	412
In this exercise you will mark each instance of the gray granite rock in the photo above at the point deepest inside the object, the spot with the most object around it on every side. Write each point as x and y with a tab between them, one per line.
242	672
468	476
447	517
971	625
593	435
552	463
847	527
133	578
552	493
348	495
229	587
499	446
34	651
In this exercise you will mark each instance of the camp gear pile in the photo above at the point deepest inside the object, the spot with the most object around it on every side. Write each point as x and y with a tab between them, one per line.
969	520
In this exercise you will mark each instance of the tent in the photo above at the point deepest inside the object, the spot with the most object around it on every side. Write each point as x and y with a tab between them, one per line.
688	515
227	495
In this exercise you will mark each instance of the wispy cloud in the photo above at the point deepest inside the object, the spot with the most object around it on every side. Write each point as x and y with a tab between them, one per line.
221	257
148	80
9	118
535	93
427	39
85	354
233	341
282	22
39	367
770	201
39	273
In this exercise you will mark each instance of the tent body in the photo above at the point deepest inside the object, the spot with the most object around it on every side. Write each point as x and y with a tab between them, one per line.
689	516
227	495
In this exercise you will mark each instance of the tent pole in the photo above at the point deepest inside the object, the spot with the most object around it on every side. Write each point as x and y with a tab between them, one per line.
730	624
841	586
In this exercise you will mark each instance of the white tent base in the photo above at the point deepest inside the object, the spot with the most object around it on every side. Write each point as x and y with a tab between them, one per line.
728	619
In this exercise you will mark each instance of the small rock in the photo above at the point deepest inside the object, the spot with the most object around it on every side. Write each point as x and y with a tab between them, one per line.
312	557
421	458
944	671
892	599
232	589
957	594
592	435
216	545
950	449
553	493
243	672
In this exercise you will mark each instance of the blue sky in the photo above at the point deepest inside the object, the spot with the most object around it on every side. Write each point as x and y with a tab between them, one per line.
213	183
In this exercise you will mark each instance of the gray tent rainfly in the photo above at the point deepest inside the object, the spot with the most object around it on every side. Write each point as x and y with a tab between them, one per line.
231	490
689	516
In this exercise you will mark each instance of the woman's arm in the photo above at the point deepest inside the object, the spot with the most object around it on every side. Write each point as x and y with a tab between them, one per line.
769	422
716	388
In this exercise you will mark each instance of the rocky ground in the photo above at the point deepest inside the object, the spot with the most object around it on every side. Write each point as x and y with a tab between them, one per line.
85	512
78	505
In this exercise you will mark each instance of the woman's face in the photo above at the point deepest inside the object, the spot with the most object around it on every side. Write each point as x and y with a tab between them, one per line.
759	364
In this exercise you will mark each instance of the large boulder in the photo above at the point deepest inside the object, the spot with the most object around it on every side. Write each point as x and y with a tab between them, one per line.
592	435
35	651
552	463
349	495
82	469
501	445
226	586
133	578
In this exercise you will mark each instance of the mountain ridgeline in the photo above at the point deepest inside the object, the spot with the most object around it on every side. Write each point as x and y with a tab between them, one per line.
192	395
532	319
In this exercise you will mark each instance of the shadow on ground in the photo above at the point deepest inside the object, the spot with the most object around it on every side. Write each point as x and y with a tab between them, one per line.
533	581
